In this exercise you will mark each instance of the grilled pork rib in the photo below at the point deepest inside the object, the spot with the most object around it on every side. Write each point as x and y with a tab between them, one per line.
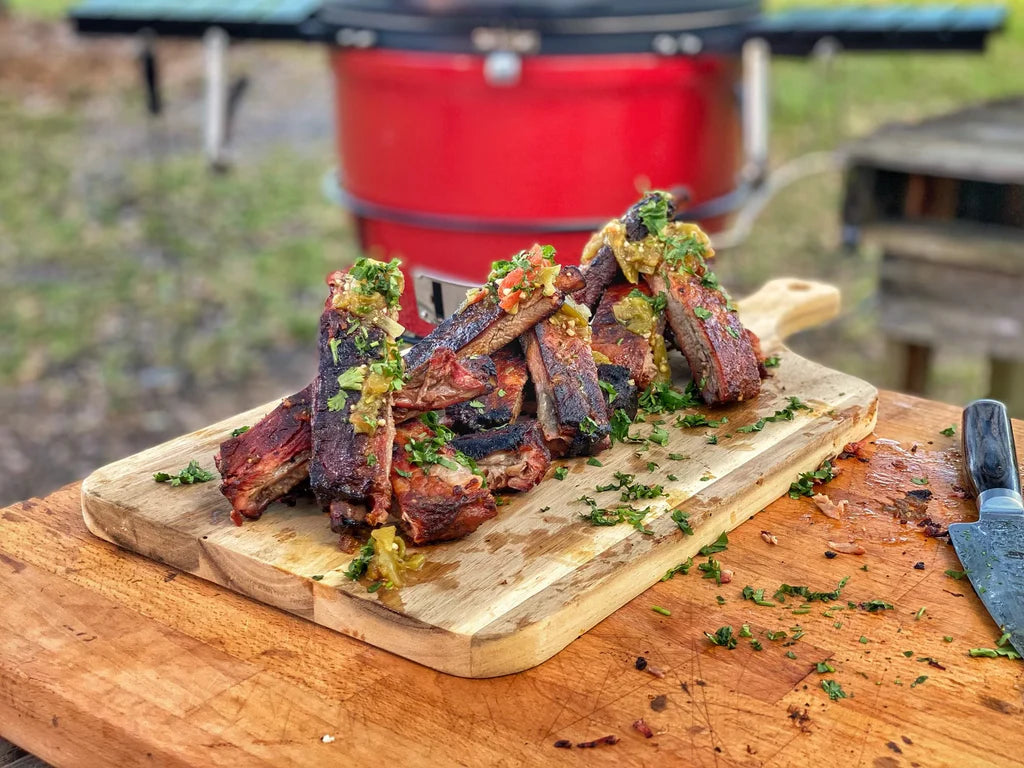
570	405
351	462
628	332
599	271
503	404
482	327
268	460
443	381
624	395
512	457
714	342
436	502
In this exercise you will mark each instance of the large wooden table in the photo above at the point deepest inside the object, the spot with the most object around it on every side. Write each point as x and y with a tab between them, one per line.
110	659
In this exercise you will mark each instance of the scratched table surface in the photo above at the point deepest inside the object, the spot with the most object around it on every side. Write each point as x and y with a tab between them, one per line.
107	658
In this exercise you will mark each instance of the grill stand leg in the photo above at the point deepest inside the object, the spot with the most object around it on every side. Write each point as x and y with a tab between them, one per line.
215	48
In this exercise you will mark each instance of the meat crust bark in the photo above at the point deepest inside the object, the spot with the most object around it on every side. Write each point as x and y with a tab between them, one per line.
503	404
598	274
570	406
268	460
716	346
436	503
349	471
621	345
444	380
483	327
512	457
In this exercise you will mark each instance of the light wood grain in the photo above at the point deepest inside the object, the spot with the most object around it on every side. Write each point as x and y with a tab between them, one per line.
529	582
108	658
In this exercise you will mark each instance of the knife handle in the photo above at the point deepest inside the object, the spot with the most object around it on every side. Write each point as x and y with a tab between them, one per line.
990	455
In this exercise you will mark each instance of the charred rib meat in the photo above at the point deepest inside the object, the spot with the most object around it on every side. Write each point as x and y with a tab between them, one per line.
360	368
620	390
599	269
503	404
436	492
513	456
519	293
706	327
268	460
570	406
627	330
444	380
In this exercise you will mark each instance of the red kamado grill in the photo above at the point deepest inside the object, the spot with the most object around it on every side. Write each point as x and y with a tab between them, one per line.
469	129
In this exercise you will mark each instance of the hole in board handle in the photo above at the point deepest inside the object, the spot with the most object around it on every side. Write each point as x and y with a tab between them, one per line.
798	286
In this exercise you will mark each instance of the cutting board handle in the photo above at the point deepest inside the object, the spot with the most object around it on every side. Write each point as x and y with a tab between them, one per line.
783	307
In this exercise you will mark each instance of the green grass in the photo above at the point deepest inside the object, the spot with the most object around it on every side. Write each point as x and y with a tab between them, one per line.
161	265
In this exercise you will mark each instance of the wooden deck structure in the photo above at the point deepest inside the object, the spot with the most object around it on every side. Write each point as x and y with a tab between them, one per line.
944	200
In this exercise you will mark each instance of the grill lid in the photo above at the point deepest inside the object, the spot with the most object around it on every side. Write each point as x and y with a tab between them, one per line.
552	26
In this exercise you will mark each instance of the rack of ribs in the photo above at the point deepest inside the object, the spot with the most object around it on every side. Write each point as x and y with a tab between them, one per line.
722	354
443	381
628	330
359	369
503	404
514	299
269	459
511	457
570	404
436	494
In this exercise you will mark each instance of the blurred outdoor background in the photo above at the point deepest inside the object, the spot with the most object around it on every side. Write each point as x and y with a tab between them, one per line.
143	296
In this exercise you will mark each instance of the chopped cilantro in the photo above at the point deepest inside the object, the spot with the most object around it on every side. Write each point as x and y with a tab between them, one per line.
712	569
477	405
371	460
653	212
691	420
318	577
823	667
993	653
589	427
918	681
502	393
833	689
757	596
683	568
402	472
808	595
613	393
361	562
873	606
594	462
662	611
658	303
651	466
756	644
671	477
955	574
190	475
723	636
561	473
745	631
677	457
239	431
790	655
948	638
863	640
720	599
682	520
948	431
712	439
786	414
919	614
659	436
720	545
333	344
702	313
919	480
732	332
804	485
660	397
772	362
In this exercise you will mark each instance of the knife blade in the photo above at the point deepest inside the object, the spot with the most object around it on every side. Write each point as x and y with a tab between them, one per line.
992	549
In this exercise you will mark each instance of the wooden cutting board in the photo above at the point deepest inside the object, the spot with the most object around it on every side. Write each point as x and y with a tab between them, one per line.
527	583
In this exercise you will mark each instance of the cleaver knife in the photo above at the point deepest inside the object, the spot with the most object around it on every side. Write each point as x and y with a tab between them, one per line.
992	549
